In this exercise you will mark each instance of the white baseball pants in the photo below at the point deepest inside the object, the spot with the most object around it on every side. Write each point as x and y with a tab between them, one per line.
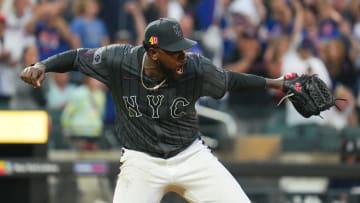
195	174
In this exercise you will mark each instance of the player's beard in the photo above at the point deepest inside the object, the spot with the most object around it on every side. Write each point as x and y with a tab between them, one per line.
170	73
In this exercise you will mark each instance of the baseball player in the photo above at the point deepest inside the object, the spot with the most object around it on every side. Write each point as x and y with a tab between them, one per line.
155	87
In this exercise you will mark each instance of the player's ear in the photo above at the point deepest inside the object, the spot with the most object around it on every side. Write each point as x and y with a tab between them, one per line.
153	53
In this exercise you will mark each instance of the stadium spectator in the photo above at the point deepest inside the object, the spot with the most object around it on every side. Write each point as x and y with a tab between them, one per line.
50	29
89	30
138	19
127	16
356	13
154	9
310	28
329	21
237	23
339	65
82	117
19	14
247	51
7	66
60	90
58	94
187	26
247	58
280	20
285	44
123	37
26	97
254	9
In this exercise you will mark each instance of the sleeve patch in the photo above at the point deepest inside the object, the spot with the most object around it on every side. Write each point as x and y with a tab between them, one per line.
97	56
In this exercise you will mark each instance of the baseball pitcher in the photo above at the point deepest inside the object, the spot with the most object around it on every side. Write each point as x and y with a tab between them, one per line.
155	87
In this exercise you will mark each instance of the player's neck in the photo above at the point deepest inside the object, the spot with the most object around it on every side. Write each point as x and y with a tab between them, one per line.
152	70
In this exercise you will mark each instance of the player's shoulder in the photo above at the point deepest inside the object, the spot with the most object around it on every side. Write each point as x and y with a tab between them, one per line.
193	56
119	48
198	61
197	58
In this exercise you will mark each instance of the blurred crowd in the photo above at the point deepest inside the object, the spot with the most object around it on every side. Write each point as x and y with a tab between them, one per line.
266	38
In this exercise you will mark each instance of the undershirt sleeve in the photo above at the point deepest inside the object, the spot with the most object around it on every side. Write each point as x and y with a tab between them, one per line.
243	81
62	62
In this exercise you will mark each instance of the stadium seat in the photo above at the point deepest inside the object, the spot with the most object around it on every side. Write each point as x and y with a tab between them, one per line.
329	139
300	138
350	132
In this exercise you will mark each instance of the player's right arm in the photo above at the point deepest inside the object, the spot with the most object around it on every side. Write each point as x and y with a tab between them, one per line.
35	73
97	63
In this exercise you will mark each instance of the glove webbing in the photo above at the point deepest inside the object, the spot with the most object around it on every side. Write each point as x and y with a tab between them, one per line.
319	94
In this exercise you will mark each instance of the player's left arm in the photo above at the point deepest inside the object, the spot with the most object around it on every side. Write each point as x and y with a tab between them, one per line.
242	81
216	81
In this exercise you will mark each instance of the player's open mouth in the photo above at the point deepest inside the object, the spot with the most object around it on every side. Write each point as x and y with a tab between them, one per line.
180	70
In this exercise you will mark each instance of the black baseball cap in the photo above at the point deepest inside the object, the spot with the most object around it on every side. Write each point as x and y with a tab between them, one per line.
166	34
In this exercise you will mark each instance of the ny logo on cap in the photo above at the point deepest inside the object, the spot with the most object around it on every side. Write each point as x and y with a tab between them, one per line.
177	30
153	40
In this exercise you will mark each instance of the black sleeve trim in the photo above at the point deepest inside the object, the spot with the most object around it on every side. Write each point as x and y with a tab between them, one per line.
62	62
243	81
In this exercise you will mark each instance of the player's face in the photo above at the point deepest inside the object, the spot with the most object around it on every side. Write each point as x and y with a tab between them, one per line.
172	63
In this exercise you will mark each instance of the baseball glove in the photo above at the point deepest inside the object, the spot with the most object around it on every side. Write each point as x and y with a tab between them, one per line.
308	94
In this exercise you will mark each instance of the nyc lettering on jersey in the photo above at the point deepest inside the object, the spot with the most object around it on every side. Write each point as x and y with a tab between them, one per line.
154	102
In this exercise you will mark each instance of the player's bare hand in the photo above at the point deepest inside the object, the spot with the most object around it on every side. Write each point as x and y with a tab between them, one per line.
33	75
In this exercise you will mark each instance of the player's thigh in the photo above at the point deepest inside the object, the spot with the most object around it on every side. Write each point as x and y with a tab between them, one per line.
136	185
207	180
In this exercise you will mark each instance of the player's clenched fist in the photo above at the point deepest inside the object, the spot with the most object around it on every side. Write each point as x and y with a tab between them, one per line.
33	74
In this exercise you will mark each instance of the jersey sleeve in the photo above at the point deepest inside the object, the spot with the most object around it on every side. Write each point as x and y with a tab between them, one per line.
214	79
100	63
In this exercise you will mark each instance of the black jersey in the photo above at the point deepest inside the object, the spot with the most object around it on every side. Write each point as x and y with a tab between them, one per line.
162	122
